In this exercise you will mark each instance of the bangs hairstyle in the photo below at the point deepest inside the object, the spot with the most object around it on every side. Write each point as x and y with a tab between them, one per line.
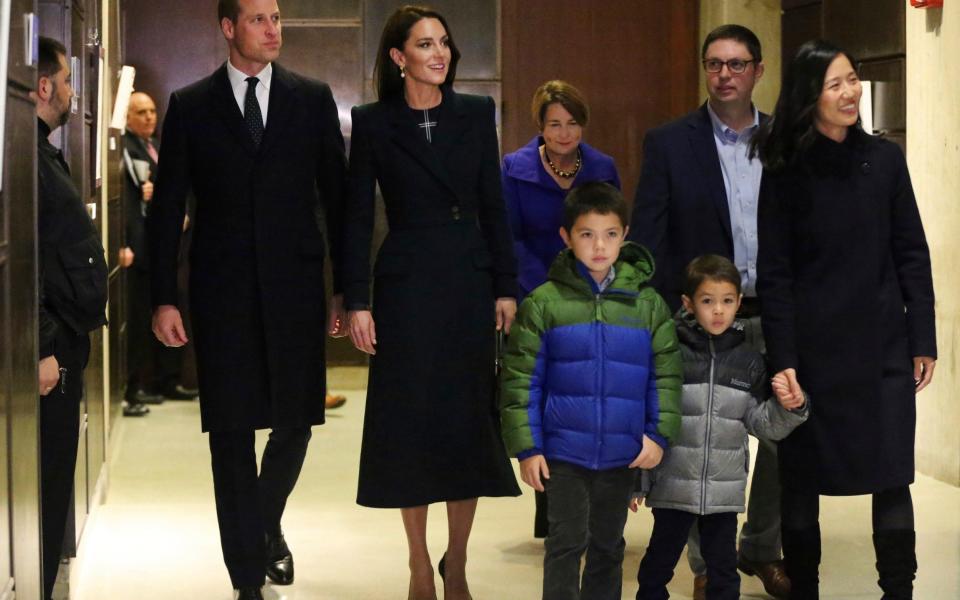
48	57
709	267
228	9
386	74
737	33
593	197
790	132
562	93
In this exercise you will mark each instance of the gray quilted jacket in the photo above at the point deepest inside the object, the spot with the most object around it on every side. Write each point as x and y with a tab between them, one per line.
725	396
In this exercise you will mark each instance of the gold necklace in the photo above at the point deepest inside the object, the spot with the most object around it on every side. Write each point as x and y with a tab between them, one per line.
560	172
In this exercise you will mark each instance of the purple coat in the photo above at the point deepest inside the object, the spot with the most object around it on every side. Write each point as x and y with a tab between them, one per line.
535	206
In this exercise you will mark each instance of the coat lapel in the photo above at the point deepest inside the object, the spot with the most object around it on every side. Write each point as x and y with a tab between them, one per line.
227	109
279	111
408	137
705	149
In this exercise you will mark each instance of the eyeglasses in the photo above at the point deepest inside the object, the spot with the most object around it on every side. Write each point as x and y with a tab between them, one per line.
736	65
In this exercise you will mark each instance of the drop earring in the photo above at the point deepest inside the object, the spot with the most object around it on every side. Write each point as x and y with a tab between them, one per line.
403	73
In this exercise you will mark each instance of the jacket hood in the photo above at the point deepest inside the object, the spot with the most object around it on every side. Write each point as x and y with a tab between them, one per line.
692	334
634	269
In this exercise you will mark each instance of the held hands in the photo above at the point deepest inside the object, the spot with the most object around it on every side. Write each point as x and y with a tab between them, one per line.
363	332
923	371
531	469
650	455
147	189
168	326
506	313
125	259
49	374
787	390
337	319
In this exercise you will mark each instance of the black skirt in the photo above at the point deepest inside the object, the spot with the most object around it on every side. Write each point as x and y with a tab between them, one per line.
431	432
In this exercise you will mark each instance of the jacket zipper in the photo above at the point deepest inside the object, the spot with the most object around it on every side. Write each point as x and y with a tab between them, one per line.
706	441
598	410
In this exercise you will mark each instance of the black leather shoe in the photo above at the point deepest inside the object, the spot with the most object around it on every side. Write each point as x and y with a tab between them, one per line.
252	593
279	560
141	397
178	392
135	410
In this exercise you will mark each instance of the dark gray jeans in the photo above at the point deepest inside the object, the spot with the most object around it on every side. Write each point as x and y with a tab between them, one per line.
587	511
760	534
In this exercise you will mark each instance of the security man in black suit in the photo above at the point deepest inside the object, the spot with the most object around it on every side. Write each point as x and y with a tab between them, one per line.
261	150
73	297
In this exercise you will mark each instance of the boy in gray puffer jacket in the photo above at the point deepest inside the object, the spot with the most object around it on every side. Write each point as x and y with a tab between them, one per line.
703	476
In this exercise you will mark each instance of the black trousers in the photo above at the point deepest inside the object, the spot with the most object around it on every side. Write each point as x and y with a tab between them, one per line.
250	505
718	543
59	436
587	511
151	366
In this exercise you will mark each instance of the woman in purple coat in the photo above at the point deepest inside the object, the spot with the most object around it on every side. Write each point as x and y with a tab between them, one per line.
537	177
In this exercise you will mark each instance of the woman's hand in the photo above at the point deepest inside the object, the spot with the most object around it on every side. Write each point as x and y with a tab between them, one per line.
506	313
363	333
337	319
923	371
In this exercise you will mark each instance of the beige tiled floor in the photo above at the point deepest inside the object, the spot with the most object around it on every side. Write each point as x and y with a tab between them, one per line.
156	535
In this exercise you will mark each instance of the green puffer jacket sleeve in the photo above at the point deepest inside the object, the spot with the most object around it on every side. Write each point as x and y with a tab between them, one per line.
522	392
667	381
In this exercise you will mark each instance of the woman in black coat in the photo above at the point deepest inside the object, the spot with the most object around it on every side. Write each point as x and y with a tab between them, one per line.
847	299
444	281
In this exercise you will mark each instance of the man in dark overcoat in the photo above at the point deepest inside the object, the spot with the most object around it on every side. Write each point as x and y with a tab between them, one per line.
261	150
698	194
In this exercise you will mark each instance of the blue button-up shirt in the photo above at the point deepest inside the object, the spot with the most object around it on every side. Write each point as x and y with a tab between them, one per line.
741	180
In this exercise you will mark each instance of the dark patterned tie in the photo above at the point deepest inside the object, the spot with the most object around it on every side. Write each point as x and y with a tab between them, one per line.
251	112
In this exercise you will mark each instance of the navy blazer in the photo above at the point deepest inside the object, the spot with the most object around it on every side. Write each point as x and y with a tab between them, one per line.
680	210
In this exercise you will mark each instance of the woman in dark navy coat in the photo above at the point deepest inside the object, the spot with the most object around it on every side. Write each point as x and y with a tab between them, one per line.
848	312
444	281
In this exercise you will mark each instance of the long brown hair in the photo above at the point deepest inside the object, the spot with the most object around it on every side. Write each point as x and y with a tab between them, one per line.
386	75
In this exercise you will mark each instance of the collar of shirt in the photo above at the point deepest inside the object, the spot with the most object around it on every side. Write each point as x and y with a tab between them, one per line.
727	135
238	83
597	287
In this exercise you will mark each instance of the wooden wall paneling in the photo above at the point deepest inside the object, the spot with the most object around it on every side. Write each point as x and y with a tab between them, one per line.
800	25
20	342
637	64
868	29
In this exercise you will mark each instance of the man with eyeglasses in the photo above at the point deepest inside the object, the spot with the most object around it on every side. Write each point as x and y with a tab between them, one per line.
697	195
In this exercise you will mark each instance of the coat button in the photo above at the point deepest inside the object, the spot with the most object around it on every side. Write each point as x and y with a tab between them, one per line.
456	213
90	260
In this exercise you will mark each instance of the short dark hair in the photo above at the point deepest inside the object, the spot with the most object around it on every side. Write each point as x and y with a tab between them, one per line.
593	197
709	267
48	63
737	33
564	94
228	9
386	75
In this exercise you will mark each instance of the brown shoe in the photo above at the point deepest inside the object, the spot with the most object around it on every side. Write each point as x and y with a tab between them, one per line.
335	401
772	574
700	587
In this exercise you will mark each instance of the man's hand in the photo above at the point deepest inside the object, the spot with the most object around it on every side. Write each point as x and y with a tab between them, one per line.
168	326
147	189
49	374
650	455
635	503
787	389
923	371
363	332
531	470
506	313
126	257
337	319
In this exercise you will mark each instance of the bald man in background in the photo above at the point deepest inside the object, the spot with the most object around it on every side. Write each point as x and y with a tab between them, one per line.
153	371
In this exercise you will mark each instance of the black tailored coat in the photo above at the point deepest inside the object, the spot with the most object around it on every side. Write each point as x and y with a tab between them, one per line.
680	210
256	260
847	299
430	434
136	233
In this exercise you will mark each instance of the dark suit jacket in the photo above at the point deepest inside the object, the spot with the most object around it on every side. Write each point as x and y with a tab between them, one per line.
680	211
136	233
256	279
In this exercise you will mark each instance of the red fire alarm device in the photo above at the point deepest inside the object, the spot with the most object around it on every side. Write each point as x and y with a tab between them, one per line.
926	3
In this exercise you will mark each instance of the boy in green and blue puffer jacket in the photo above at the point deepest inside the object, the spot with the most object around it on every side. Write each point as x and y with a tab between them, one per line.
590	391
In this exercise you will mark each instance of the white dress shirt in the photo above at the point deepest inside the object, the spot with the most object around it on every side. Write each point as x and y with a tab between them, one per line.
238	81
